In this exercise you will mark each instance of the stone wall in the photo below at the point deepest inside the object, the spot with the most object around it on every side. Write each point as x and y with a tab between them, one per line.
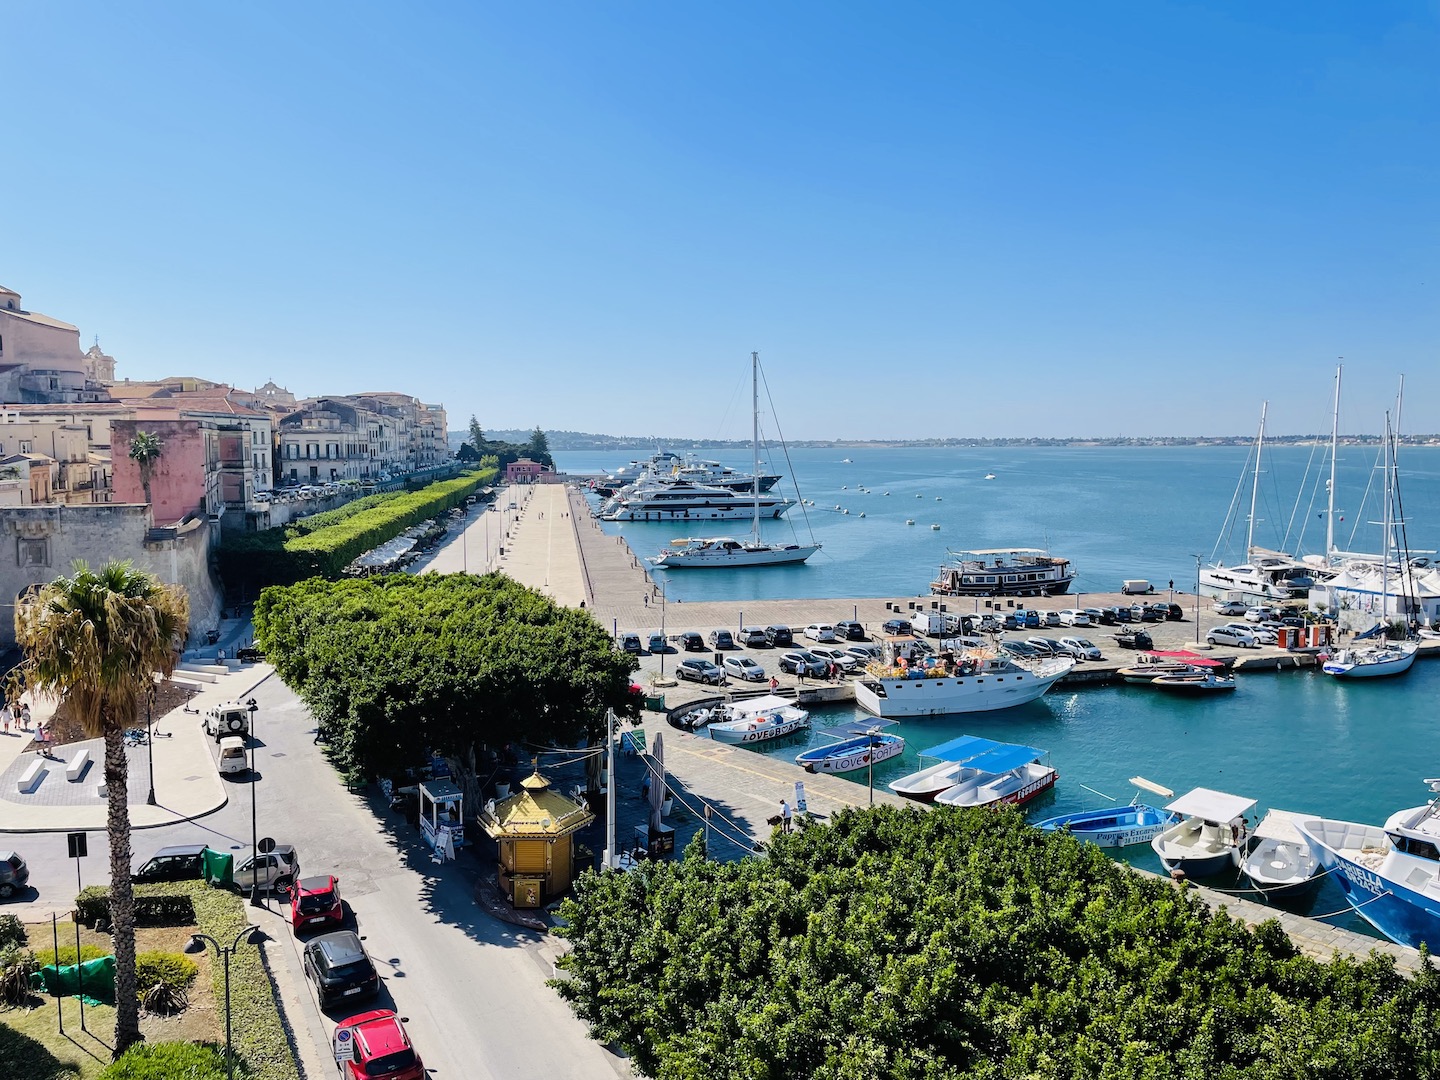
39	543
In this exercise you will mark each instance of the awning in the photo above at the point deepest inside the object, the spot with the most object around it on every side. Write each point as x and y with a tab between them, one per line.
1211	805
1005	757
1280	825
961	749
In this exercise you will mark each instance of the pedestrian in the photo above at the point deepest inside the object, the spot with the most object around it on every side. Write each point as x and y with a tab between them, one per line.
774	684
7	717
784	816
646	598
25	715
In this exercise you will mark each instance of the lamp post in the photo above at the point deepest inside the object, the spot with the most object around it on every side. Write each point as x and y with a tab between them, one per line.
150	742
197	944
1197	559
662	628
254	832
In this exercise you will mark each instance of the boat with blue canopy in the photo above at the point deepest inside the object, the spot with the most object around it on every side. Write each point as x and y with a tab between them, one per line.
1010	773
952	769
1118	826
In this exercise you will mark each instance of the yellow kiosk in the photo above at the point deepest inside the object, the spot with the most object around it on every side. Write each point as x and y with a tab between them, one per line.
535	830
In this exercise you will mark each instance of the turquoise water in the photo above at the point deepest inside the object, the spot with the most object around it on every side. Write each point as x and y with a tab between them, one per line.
1293	740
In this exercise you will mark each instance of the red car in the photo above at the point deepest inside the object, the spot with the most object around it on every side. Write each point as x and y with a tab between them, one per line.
315	902
382	1048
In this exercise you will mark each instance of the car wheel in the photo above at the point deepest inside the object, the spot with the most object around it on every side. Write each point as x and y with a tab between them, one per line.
283	883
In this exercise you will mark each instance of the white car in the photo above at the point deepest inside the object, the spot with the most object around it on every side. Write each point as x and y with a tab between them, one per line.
1074	617
819	631
1229	635
1230	607
743	667
1263	634
1081	648
1259	614
837	655
1052	618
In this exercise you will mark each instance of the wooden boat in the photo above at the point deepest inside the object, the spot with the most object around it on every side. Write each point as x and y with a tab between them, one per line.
1117	826
1010	773
1208	839
1280	862
863	749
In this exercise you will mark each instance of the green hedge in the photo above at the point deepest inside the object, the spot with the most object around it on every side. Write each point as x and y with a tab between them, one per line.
173	970
12	931
172	1061
155	905
47	957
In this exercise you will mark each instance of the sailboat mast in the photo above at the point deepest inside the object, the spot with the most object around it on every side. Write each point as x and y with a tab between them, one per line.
1255	486
1334	444
1385	539
755	439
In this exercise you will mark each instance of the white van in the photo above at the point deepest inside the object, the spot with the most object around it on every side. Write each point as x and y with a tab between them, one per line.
1136	587
232	756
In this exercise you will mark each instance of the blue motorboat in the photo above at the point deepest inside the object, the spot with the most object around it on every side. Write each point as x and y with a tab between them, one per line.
1117	826
866	746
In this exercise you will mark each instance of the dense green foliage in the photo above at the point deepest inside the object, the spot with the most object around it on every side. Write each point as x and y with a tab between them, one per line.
12	931
66	955
172	1061
155	905
396	665
911	944
323	545
172	970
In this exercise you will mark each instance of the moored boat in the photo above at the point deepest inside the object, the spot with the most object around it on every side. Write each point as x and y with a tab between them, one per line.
757	720
1208	839
1004	572
1010	774
1151	665
951	769
1372	661
1117	826
865	747
973	680
1194	682
1280	862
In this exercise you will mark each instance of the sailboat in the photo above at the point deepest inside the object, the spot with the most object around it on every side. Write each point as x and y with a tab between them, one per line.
1384	657
724	551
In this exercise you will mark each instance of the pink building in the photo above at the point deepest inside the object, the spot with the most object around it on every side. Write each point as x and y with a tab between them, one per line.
526	471
182	476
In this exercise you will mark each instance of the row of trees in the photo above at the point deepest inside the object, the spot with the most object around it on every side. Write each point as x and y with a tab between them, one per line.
911	944
477	447
397	666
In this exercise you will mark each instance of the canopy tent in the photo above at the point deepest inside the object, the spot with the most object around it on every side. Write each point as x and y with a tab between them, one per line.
1210	805
961	749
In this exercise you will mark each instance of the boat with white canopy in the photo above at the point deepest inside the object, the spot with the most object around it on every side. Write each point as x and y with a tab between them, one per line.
1210	836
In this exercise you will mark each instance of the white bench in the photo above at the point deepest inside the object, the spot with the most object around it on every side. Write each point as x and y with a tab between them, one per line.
78	764
31	777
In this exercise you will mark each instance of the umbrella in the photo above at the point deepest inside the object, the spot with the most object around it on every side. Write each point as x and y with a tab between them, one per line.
657	780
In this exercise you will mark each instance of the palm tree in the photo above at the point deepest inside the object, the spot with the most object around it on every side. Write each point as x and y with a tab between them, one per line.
145	450
96	639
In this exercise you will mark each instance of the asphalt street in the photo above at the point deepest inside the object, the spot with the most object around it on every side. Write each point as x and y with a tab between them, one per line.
472	987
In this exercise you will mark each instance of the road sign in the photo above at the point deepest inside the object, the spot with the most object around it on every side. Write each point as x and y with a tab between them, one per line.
344	1045
266	845
77	843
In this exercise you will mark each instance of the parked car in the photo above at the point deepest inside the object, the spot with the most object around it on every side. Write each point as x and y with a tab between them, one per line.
701	671
1119	614
1010	622
820	632
630	643
1097	617
273	871
1229	635
743	667
339	967
779	636
1074	617
1259	614
1293	620
658	644
1229	607
1029	619
1144	613
1052	618
1020	650
1265	635
232	756
13	874
721	639
849	630
897	627
753	637
382	1048
989	624
864	653
837	655
691	641
315	901
801	662
1172	612
1081	648
1045	646
229	718
180	862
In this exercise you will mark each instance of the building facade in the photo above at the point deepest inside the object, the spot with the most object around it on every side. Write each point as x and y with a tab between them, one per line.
40	358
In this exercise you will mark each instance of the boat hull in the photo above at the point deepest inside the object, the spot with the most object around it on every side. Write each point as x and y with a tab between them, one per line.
1199	849
740	511
1281	868
1342	666
851	755
746	556
733	732
1117	827
924	785
1007	789
896	697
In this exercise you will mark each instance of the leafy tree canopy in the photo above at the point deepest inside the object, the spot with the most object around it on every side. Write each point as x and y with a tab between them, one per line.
398	665
912	944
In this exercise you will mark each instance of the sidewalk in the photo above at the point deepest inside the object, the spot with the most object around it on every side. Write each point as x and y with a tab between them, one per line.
187	782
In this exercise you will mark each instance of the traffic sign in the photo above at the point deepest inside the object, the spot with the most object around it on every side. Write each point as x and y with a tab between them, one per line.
266	845
77	844
344	1045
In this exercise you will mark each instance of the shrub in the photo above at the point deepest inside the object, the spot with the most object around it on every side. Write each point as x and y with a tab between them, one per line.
162	1000
12	931
172	970
47	957
16	967
93	905
167	1060
153	907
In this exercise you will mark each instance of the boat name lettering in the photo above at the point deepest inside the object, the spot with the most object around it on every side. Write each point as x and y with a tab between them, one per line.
1363	878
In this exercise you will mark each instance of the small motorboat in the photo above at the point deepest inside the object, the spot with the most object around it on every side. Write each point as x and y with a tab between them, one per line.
909	521
928	782
1209	838
757	720
1004	773
1134	639
1117	826
935	527
1194	682
989	476
1280	862
866	746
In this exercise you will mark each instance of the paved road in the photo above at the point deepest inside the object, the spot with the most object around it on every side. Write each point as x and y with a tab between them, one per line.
472	987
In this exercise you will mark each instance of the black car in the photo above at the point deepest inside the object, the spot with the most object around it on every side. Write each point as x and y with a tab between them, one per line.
849	630
1021	650
1173	612
701	671
183	862
722	639
897	627
779	636
1134	639
1119	614
339	967
691	641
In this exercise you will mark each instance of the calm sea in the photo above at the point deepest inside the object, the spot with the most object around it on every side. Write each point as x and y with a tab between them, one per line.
1297	741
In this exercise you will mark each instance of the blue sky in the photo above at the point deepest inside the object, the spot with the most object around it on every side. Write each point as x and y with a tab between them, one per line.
931	219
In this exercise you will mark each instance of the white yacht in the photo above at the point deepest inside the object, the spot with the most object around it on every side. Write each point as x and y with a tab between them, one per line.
973	680
690	502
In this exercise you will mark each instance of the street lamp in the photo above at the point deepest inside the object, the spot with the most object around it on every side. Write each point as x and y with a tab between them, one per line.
1197	559
254	832
663	647
197	944
150	742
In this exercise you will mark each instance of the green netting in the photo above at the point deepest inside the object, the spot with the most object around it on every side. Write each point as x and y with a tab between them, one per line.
96	976
219	868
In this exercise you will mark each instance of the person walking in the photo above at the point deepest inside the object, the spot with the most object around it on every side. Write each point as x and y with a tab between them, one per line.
7	717
774	684
25	716
784	816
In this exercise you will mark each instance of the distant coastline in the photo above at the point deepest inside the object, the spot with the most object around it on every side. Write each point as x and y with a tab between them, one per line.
563	441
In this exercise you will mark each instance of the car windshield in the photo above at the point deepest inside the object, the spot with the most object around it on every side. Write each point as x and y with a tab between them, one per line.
312	902
358	969
390	1063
